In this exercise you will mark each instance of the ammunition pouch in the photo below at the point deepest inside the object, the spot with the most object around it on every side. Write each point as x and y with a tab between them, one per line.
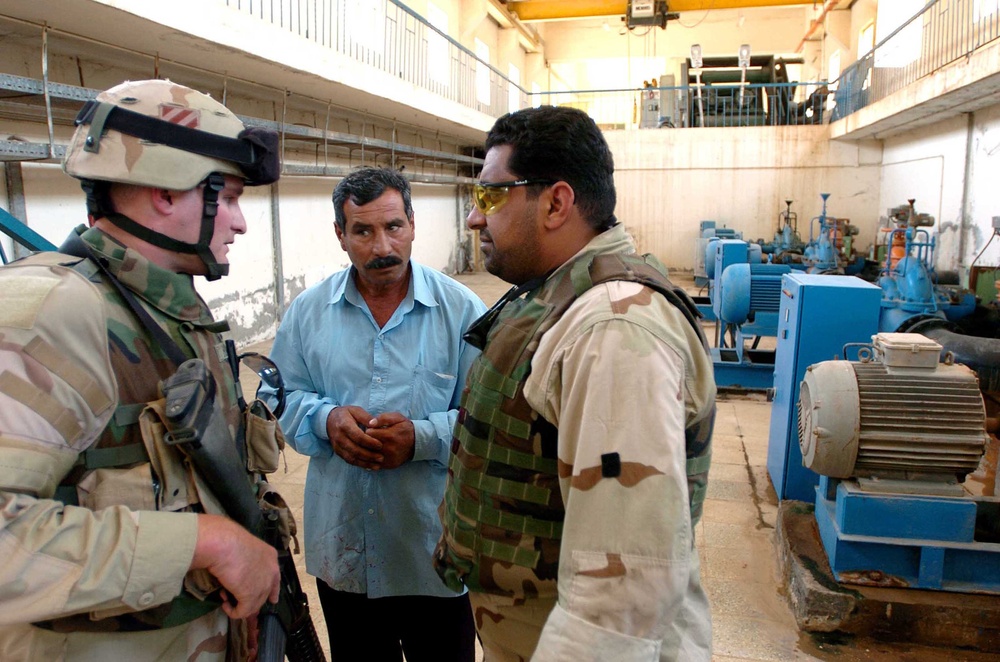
270	500
264	438
130	487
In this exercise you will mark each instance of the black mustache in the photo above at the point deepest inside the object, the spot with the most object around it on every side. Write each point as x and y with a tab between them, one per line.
383	262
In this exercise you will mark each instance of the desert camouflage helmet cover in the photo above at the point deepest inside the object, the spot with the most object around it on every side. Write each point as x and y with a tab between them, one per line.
176	156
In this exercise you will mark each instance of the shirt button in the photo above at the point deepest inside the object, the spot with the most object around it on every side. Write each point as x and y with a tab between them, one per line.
371	511
378	379
146	599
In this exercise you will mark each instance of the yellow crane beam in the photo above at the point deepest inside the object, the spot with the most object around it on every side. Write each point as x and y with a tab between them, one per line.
548	10
526	35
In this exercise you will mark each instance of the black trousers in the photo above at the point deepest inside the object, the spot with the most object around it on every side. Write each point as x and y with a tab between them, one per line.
426	629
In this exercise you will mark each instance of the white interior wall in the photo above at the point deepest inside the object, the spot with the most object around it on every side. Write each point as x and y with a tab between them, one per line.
309	247
862	13
53	202
930	163
947	142
837	27
669	181
437	226
984	189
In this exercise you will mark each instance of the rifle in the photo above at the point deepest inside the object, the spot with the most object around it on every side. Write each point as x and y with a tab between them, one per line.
196	426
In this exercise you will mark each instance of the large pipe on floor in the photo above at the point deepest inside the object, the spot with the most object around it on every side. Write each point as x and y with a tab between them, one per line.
980	354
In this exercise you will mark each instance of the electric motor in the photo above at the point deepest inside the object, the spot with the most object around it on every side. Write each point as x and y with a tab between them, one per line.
899	414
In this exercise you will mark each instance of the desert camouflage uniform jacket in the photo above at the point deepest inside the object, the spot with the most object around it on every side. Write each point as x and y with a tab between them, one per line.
75	370
624	378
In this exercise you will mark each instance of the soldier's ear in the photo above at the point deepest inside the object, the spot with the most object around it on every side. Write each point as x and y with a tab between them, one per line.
162	199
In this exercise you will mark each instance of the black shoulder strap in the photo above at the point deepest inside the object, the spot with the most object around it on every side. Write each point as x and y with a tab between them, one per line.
77	247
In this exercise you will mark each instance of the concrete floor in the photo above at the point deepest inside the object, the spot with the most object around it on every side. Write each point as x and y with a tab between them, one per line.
751	618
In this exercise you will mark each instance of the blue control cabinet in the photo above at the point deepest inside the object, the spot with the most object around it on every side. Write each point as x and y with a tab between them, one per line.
818	315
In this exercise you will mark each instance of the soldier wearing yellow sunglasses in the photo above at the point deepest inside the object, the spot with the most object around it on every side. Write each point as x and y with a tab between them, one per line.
580	457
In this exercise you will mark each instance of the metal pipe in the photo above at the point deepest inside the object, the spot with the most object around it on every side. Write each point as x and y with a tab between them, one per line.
279	268
963	224
45	82
14	182
980	354
828	7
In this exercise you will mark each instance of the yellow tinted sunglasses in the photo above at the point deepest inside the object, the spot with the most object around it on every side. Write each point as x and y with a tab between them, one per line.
490	197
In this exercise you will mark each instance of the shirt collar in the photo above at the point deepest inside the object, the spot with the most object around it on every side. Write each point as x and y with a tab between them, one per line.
613	240
420	290
169	292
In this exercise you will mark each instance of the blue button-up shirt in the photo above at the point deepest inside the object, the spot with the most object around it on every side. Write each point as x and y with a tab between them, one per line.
374	532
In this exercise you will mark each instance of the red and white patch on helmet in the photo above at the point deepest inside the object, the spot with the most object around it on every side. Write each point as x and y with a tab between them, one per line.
188	117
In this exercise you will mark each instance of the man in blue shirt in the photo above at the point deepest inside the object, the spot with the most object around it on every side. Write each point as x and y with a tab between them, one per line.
374	366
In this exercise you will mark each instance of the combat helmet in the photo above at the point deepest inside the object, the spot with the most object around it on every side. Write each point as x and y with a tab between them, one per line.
160	134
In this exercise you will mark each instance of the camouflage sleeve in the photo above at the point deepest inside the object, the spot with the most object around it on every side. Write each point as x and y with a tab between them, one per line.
611	377
57	393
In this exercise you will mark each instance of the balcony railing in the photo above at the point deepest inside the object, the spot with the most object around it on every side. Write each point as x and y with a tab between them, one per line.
943	32
391	37
774	104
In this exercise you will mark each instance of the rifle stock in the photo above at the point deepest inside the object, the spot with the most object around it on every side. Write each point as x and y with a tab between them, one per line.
196	425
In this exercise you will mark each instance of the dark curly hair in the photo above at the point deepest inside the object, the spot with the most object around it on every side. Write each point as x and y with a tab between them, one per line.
561	144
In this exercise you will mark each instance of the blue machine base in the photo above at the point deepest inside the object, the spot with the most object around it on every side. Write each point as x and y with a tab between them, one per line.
704	306
902	540
754	373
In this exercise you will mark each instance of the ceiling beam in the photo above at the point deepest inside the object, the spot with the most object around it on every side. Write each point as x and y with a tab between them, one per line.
816	23
526	35
549	10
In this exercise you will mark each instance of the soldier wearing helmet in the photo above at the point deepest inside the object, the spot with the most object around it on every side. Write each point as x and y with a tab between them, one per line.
113	546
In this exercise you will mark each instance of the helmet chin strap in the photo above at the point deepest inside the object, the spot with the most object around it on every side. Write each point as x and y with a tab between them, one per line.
210	207
99	206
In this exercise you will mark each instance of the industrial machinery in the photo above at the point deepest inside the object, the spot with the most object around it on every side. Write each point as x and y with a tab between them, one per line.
911	299
893	435
830	249
818	315
787	246
648	13
704	259
740	90
704	262
745	295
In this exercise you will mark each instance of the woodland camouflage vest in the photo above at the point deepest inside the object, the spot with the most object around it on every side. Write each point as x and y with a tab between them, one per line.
504	505
139	366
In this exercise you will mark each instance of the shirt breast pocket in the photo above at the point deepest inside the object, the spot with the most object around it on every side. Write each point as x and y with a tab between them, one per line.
430	392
